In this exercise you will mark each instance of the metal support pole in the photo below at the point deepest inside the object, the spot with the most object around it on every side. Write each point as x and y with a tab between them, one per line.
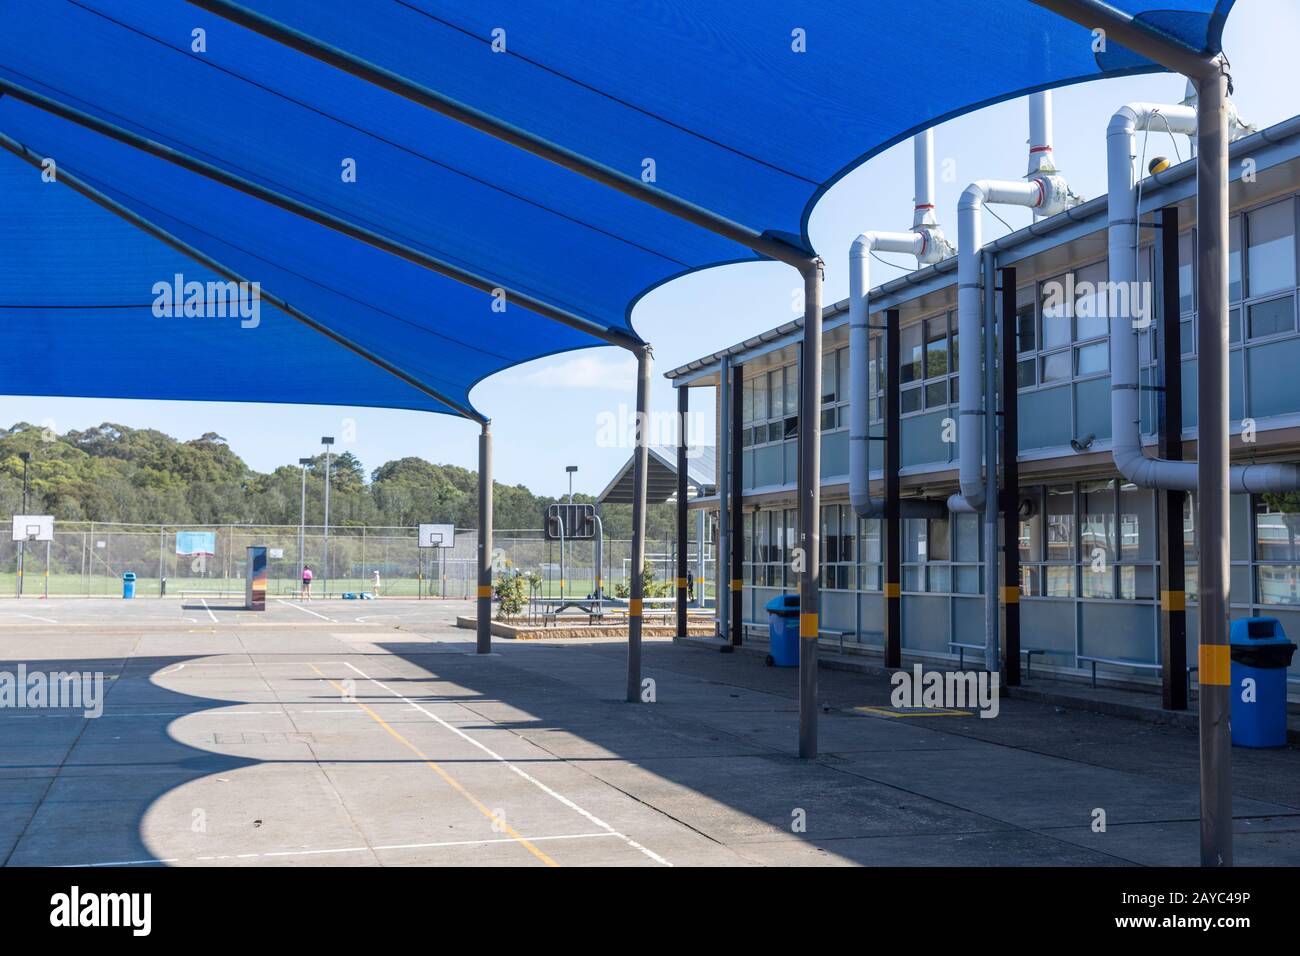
992	650
1010	484
1173	601
683	409
701	522
325	560
891	526
640	468
810	433
723	599
1212	465
737	542
484	615
302	521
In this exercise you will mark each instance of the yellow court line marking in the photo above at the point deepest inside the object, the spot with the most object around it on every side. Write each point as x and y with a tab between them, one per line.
928	712
448	778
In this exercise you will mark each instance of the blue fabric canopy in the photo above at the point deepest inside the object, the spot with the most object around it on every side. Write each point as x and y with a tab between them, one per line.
751	110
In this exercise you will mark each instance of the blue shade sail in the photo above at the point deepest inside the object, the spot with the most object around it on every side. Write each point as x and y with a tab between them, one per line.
751	110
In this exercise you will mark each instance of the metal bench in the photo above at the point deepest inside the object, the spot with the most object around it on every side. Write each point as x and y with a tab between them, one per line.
1127	662
1028	653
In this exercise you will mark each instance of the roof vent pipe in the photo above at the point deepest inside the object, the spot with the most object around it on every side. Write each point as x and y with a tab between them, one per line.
1132	311
926	241
1046	193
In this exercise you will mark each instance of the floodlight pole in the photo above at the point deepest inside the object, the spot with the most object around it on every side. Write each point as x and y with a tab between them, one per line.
483	618
26	456
325	561
809	508
1209	75
302	521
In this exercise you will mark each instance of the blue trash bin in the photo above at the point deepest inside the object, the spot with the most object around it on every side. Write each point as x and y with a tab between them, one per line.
783	630
128	584
1260	655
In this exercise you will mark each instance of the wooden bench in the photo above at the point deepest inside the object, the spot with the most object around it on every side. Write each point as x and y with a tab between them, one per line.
1027	652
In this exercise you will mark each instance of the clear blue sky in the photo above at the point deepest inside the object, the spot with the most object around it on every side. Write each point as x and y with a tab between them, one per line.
548	414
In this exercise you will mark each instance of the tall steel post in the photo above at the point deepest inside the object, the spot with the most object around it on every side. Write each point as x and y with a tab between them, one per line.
723	599
737	582
891	525
483	623
1010	484
1173	599
1212	464
302	520
325	559
640	468
683	409
810	433
992	649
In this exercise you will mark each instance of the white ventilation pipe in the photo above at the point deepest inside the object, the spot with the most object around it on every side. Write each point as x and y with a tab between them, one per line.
1122	241
928	244
1041	160
1047	194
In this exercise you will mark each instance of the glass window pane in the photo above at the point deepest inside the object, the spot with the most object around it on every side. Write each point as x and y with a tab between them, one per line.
909	356
1187	336
937	537
760	399
1060	580
1097	524
1056	313
1270	257
936	394
1026	331
791	390
1186	289
1272	317
968	536
936	346
747	402
1031	531
1090	303
1025	377
1091	359
776	392
914	544
1056	367
842	361
871	541
1234	259
829	392
910	400
1234	326
1277	527
1137	523
1060	523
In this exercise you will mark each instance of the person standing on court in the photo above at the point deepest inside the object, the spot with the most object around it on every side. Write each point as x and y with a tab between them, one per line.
306	583
376	584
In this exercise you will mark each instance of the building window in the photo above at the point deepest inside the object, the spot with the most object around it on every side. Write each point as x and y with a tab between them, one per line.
1277	549
839	547
1270	249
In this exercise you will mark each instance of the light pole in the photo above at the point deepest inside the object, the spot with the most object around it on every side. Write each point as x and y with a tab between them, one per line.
302	521
325	560
26	456
571	469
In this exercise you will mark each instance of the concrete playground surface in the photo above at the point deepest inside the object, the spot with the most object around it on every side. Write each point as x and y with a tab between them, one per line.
369	733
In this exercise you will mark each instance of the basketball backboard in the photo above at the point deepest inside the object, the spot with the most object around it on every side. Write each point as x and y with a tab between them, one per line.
437	536
33	528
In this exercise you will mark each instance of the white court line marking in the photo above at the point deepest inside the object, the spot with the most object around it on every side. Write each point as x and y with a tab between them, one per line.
47	620
591	817
343	849
306	610
204	601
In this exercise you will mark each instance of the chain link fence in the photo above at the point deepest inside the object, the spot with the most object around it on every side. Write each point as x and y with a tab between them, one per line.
89	558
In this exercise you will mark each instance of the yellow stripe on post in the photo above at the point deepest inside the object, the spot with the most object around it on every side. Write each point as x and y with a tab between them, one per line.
893	589
808	625
681	582
485	590
1173	600
737	584
634	607
1215	665
1011	595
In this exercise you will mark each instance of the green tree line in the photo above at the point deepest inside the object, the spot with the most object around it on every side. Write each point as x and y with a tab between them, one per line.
141	475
